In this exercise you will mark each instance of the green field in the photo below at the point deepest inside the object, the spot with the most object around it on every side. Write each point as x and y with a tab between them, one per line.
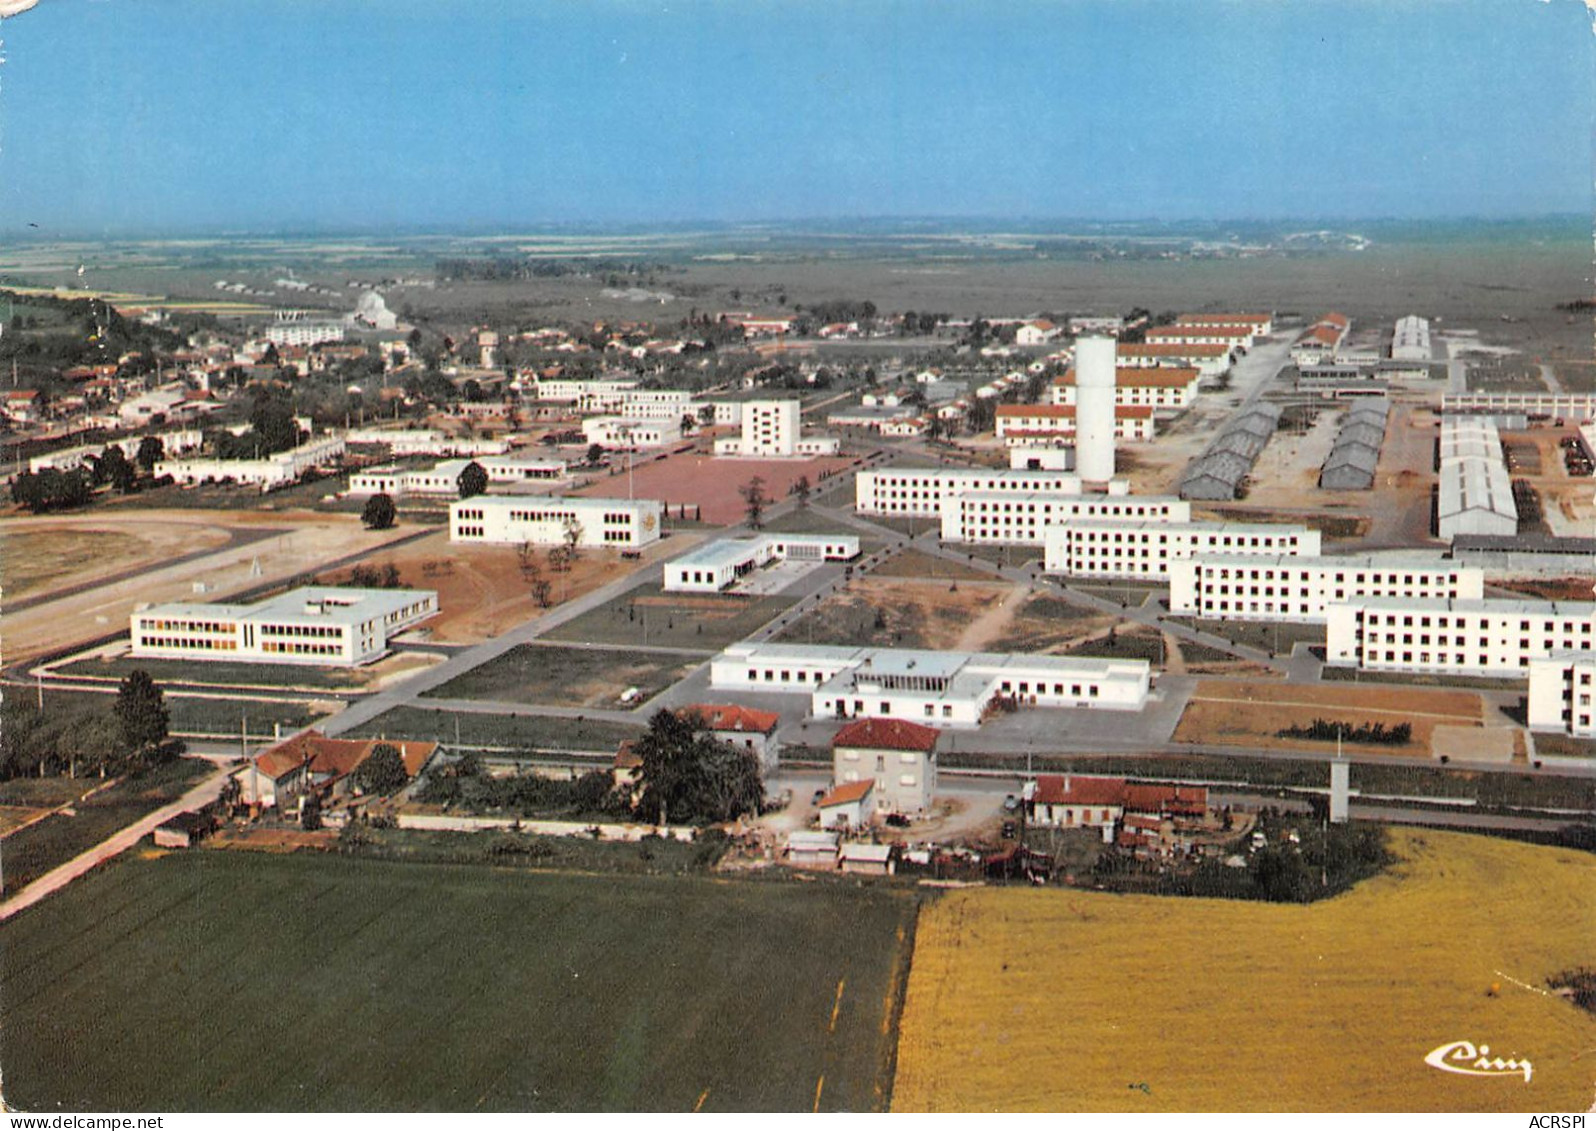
647	616
225	981
223	672
528	732
568	677
47	844
218	714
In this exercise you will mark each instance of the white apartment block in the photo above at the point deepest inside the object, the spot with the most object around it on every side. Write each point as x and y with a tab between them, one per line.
720	564
940	689
511	520
330	627
770	430
1561	406
624	433
1300	589
1162	388
1001	517
920	492
1144	550
1484	637
304	328
279	470
1561	691
657	404
600	395
1029	425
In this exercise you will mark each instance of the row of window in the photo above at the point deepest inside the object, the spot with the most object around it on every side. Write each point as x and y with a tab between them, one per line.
316	631
193	643
1442	641
1477	622
296	648
187	626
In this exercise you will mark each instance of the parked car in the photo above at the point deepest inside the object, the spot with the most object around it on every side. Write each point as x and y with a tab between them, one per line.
897	821
1011	804
1010	830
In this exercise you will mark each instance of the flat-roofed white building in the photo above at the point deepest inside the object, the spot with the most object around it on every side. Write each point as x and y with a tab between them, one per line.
1028	425
716	565
1144	550
1159	387
1485	637
626	433
1022	519
443	480
1300	589
304	328
426	442
920	491
593	395
1561	406
322	626
940	689
1562	693
658	404
624	524
278	470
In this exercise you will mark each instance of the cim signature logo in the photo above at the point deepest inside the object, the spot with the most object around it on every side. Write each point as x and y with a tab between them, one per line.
1466	1060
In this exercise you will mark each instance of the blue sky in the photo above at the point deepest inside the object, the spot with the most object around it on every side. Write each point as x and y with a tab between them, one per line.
132	116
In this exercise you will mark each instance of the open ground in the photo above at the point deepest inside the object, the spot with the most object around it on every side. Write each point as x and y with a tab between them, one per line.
156	983
1085	1001
712	485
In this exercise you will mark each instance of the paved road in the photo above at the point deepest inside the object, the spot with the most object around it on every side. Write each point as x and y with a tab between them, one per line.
202	794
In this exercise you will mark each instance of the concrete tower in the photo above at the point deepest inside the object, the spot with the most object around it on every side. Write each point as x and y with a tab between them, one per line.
1094	408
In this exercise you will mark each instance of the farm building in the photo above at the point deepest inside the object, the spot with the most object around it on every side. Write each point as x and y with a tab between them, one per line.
899	758
860	859
848	806
812	850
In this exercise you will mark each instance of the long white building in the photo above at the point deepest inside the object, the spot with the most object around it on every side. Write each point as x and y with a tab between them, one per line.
1044	424
717	565
330	627
1475	494
919	492
279	470
1144	550
544	521
1022	519
1165	387
443	480
1560	693
771	430
426	442
1300	589
1410	340
1478	637
941	689
1561	406
630	433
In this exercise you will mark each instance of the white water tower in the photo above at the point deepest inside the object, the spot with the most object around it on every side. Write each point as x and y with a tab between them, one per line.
1094	408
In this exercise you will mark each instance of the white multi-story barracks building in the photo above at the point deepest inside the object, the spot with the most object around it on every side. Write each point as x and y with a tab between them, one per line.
716	565
333	627
770	430
1029	424
1001	517
543	521
1486	637
1245	587
1561	690
920	492
941	689
1157	387
1210	361
1100	548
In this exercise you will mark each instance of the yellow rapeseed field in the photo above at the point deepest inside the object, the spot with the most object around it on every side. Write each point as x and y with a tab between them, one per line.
1085	1001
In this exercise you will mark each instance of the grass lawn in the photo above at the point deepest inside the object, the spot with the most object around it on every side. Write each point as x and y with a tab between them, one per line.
567	677
1565	746
650	616
1265	635
224	672
1420	679
1009	984
1135	645
514	732
33	851
405	987
919	565
216	715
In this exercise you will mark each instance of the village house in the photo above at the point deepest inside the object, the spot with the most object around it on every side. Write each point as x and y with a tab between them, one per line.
897	756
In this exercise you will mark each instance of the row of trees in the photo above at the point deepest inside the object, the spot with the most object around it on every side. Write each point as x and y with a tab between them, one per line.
100	736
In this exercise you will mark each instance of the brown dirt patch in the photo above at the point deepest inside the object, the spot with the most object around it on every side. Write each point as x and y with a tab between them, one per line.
1250	713
698	480
900	614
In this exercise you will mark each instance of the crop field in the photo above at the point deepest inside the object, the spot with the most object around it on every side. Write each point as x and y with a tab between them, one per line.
1084	1001
567	677
510	732
649	616
227	981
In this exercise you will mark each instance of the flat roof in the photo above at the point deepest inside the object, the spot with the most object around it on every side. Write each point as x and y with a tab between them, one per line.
1356	561
1508	606
343	606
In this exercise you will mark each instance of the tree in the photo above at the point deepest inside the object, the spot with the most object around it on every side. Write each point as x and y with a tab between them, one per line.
595	453
802	490
271	420
141	711
687	775
754	501
573	538
473	480
50	489
383	771
379	513
152	450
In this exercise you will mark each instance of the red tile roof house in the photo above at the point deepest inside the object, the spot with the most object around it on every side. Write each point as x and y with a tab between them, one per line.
847	806
310	760
741	726
898	756
1075	801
